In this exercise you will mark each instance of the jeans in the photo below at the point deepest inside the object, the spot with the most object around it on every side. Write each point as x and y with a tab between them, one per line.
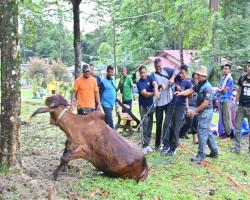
147	125
242	112
129	103
205	134
108	116
159	112
173	125
226	116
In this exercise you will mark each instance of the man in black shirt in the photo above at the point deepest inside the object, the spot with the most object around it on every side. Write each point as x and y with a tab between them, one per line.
243	98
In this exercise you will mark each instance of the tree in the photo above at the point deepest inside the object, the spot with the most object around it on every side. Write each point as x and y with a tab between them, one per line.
10	90
77	36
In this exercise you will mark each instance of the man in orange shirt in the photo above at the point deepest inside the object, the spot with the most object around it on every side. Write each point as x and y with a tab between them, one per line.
86	92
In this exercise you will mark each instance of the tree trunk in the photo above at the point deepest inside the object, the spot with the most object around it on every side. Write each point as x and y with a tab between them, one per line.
77	36
181	50
10	88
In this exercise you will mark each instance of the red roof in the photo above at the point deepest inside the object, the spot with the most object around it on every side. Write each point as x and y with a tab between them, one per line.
165	62
171	58
187	55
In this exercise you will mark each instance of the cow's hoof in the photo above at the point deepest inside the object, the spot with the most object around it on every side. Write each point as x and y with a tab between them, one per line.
55	175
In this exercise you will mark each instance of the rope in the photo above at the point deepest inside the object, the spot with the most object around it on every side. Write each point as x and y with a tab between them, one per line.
206	164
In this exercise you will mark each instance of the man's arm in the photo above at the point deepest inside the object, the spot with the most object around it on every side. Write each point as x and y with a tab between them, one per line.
202	106
97	99
156	92
185	92
101	89
173	73
146	94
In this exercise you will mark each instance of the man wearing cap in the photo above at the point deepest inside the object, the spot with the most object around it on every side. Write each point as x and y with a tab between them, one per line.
86	93
204	111
243	99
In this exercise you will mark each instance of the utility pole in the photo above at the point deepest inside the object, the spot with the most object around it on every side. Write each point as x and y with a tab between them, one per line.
114	47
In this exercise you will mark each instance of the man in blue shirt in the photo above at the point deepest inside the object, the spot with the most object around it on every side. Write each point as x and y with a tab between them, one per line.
147	88
176	114
204	111
108	95
226	91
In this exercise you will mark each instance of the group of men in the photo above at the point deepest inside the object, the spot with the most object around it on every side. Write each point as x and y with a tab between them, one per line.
90	93
168	92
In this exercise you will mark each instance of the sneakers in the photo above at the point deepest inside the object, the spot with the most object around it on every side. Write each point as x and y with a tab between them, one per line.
171	153
147	150
224	136
197	159
212	155
236	151
156	148
165	150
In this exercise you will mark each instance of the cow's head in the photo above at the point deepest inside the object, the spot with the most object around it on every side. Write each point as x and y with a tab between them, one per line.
52	104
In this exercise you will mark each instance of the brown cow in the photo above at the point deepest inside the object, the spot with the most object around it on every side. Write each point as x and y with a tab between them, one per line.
90	138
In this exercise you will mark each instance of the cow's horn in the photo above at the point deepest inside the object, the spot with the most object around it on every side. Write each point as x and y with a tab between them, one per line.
40	110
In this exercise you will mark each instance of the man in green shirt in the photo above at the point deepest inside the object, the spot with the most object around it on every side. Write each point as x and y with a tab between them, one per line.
126	88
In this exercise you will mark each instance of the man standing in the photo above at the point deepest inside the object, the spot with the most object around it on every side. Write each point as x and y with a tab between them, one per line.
147	88
243	98
191	123
126	88
108	95
176	114
86	92
226	91
165	79
205	113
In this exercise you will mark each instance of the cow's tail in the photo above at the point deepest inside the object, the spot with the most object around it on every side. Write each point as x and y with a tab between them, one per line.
144	174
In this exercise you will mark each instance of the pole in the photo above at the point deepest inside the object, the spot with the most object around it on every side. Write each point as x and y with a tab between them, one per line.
114	47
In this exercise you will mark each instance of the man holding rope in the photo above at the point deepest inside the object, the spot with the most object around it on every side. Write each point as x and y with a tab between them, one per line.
147	88
204	111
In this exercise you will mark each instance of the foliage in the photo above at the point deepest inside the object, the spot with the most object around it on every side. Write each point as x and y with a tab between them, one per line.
41	71
44	31
59	71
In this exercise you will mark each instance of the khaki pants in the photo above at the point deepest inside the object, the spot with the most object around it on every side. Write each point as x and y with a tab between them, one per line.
242	112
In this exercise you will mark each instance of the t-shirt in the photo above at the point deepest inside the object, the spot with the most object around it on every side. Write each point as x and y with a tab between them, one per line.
85	89
108	92
226	97
184	85
166	94
146	84
244	82
127	82
204	90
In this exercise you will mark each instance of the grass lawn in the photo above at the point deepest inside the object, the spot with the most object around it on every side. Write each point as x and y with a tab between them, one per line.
43	145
